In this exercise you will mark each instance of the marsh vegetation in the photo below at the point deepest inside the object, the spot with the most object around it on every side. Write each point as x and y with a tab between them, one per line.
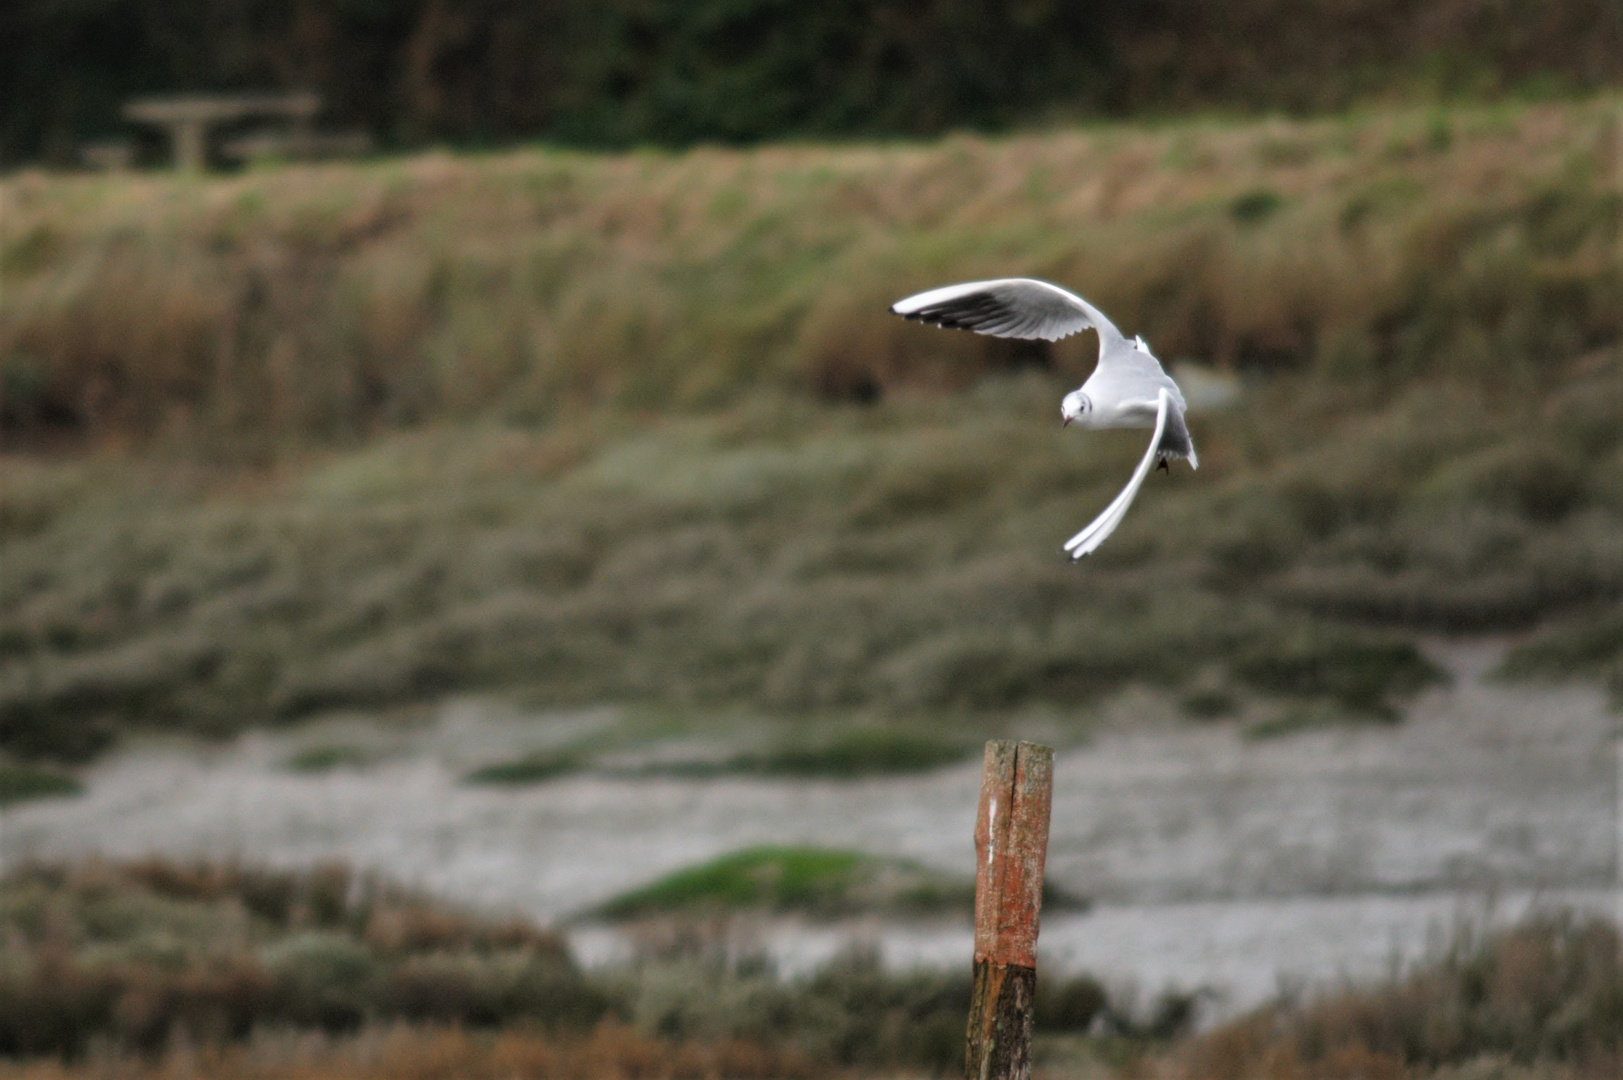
638	429
130	957
242	971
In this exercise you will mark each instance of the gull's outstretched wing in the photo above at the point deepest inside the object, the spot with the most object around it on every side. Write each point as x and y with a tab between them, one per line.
1010	308
1088	540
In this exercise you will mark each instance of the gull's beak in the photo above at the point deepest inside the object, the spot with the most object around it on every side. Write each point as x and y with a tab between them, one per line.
1065	421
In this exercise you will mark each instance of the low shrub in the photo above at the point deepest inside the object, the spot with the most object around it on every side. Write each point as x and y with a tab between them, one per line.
137	954
1356	674
1587	646
1544	995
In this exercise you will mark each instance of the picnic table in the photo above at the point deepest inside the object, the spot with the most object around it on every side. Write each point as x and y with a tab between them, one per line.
188	118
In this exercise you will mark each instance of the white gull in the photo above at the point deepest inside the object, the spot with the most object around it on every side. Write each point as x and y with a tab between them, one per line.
1128	388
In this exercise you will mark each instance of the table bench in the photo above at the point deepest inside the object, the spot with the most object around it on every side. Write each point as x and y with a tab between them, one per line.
188	118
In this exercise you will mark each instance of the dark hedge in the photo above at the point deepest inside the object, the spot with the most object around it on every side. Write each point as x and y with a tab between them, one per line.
673	72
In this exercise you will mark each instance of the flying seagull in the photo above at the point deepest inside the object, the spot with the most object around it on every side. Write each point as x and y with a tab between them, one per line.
1128	388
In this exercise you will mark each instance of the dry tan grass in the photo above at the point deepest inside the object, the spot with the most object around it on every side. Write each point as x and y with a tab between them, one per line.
327	301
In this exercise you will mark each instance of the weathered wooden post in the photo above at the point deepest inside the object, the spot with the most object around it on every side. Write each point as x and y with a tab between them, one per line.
1011	846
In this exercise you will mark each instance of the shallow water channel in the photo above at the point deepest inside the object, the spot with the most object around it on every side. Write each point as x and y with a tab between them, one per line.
1215	861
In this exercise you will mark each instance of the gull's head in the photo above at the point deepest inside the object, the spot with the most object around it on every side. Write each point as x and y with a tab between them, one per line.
1074	407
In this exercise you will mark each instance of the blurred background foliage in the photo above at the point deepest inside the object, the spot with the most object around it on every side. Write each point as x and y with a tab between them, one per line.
672	72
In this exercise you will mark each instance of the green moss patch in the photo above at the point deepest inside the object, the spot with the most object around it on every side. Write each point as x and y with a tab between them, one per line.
21	783
850	755
535	768
326	758
860	753
820	882
816	881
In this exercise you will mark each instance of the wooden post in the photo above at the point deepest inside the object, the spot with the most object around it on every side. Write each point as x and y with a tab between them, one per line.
1011	846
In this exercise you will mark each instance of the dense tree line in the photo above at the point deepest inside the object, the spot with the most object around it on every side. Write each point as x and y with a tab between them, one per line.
617	72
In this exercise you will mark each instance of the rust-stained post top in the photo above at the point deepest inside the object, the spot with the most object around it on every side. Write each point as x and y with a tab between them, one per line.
1011	848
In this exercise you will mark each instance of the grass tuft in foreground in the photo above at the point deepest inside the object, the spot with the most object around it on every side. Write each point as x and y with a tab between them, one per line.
1542	999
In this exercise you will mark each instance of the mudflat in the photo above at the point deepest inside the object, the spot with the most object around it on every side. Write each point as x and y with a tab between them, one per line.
1215	859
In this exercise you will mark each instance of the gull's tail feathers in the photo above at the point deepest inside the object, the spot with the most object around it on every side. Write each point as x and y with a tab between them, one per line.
1176	443
1088	540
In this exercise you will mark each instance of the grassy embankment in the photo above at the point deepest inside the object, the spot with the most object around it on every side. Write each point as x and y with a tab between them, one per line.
638	428
155	968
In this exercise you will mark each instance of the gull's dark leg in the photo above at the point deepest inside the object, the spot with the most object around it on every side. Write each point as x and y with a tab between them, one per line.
1161	463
